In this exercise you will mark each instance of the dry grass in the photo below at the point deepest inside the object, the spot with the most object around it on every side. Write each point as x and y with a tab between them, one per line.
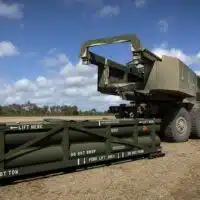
173	177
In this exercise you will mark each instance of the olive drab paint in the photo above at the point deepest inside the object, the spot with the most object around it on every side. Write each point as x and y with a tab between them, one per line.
160	78
30	148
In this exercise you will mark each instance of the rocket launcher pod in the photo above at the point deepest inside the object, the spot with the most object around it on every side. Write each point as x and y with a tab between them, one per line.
32	148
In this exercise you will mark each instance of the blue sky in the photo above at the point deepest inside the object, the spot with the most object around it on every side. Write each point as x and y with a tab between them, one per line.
40	42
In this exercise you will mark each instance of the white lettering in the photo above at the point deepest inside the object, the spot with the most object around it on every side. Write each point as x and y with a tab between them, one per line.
83	153
11	172
114	130
111	156
119	147
36	126
102	157
92	159
26	126
73	154
92	151
15	172
146	121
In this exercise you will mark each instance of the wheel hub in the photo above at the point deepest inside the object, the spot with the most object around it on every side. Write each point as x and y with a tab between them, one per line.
181	125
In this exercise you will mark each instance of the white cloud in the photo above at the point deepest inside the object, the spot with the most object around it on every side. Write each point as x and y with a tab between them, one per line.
99	7
56	60
188	59
178	53
24	85
43	82
10	100
110	99
71	85
11	11
198	72
51	51
139	3
164	25
8	49
109	10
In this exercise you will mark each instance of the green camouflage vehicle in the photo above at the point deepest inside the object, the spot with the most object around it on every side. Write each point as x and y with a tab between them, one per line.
163	88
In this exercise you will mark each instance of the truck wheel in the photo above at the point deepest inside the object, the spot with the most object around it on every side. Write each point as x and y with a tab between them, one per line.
195	118
178	126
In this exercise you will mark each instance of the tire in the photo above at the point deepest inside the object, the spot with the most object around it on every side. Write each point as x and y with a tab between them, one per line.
195	118
177	126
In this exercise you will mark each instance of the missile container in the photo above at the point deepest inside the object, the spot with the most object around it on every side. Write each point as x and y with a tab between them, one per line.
30	148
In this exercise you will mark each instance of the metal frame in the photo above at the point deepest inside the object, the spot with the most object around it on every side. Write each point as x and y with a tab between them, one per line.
65	144
136	46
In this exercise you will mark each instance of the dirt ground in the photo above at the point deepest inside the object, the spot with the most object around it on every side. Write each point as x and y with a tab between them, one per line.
27	119
173	177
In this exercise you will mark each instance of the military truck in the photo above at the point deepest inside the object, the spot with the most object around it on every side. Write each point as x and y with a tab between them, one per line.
156	87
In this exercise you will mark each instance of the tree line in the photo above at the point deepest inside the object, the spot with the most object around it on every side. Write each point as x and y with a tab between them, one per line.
32	109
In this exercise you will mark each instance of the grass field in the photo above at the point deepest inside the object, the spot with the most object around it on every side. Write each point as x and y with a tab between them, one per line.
173	177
